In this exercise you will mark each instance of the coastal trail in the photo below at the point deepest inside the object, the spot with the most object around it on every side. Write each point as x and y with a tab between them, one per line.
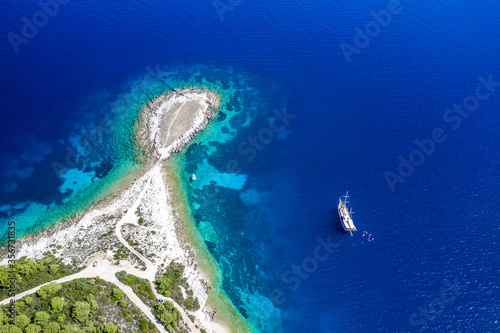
151	269
190	110
106	270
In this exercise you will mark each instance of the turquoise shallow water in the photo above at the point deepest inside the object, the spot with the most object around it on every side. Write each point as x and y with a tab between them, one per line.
224	213
109	135
100	152
354	122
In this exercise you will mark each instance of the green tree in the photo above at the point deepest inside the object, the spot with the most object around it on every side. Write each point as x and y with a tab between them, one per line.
47	260
171	278
108	328
22	320
82	285
89	326
49	290
117	293
81	311
143	324
122	303
52	328
54	269
5	277
27	267
168	316
196	304
71	328
28	300
93	304
10	328
41	318
57	304
164	284
169	305
33	328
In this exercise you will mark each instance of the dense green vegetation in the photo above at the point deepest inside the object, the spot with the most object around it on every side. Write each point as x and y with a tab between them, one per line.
166	312
30	273
81	306
170	285
168	315
89	305
141	287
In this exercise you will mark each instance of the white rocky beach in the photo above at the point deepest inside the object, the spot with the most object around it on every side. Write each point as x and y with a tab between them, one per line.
142	219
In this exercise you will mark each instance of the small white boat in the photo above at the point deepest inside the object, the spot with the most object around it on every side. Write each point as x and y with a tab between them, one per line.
193	177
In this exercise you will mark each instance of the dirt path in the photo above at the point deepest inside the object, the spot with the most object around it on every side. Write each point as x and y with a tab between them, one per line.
173	121
106	270
151	268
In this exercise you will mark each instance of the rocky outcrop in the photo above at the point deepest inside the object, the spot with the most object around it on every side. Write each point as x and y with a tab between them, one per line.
152	125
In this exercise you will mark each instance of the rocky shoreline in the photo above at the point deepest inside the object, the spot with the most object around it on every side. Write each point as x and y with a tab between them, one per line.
164	127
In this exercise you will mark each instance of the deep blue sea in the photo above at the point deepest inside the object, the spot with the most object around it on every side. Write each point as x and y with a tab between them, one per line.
329	97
